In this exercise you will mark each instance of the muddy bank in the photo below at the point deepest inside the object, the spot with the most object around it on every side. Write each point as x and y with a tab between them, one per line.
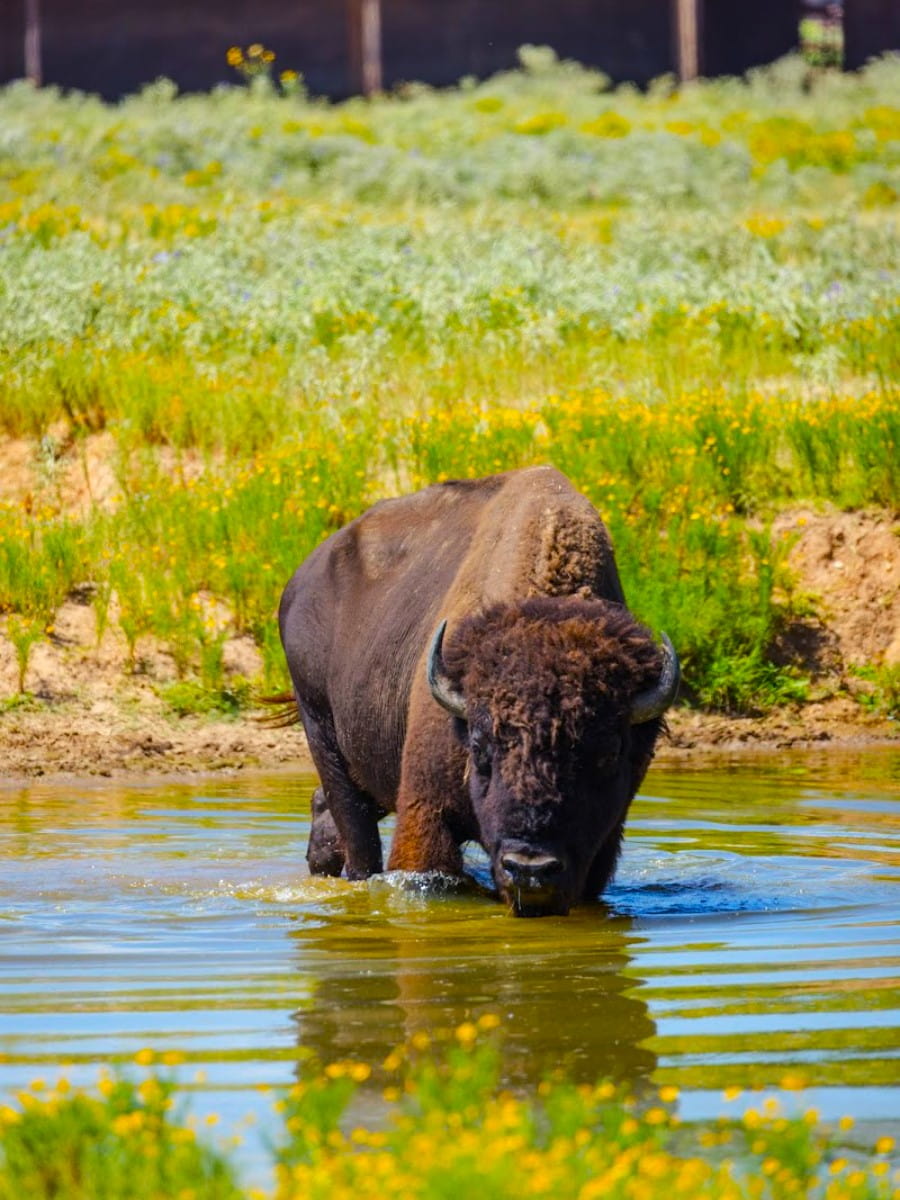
112	739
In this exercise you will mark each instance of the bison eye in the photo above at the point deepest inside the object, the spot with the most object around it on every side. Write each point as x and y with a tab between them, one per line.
482	752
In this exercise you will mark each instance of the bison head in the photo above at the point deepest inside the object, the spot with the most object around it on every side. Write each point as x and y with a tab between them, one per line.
559	702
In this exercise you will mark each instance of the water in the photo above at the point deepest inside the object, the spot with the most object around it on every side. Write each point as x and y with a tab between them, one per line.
751	934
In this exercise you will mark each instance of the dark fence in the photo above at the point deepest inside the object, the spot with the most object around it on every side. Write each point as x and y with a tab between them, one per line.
871	27
345	46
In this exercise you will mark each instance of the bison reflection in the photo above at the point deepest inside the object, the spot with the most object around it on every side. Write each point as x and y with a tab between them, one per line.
464	656
576	1005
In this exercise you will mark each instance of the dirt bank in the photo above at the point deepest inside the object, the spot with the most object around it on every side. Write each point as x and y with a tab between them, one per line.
114	739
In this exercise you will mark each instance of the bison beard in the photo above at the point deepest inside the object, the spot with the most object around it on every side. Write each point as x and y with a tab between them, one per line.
528	728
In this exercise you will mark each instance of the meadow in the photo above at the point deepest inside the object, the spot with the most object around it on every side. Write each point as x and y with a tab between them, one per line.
276	310
448	1126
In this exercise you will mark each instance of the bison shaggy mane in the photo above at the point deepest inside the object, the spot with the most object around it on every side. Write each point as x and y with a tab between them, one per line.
549	664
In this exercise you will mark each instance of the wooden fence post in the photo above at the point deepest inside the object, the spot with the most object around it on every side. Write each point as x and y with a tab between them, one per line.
365	45
33	64
688	34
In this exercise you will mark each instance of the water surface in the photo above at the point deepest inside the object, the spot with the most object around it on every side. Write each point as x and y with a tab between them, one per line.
751	934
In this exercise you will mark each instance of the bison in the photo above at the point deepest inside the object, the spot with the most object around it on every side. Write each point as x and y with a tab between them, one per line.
463	656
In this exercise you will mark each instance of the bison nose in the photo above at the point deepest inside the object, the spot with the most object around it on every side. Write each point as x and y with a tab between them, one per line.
531	869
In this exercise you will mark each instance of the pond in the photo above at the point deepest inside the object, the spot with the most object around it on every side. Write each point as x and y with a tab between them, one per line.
751	935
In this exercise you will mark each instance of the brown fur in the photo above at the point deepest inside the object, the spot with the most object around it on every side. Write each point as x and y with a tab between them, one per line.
540	642
547	665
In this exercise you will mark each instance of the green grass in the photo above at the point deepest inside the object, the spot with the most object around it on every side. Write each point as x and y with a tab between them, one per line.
280	310
884	694
118	1142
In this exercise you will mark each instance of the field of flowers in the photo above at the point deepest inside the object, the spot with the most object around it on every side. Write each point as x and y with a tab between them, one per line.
278	310
449	1128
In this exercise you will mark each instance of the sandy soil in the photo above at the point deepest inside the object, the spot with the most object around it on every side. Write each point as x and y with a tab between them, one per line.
94	712
118	739
115	740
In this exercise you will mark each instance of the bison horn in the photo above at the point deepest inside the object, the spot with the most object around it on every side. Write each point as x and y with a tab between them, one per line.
654	702
441	687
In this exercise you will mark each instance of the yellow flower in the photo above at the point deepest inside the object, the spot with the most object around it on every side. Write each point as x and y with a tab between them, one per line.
128	1123
761	225
540	123
235	56
608	125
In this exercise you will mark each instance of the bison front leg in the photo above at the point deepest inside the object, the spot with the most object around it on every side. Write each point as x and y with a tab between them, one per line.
422	842
428	800
344	830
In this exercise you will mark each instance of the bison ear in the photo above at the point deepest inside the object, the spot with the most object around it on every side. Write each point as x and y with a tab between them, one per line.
654	701
442	689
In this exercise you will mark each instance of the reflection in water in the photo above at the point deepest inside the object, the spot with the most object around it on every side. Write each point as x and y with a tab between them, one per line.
751	932
561	986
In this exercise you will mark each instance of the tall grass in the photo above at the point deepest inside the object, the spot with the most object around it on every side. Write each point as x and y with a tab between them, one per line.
282	309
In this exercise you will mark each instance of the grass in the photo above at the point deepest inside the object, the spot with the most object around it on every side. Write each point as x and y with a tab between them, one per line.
884	694
278	310
445	1126
117	1142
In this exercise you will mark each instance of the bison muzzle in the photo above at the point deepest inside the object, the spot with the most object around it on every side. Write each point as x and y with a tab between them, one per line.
463	656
